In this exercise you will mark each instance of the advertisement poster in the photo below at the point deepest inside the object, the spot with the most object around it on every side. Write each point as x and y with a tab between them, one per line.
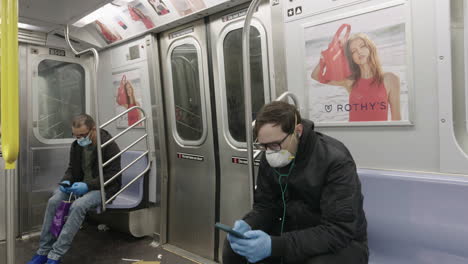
356	68
140	15
123	19
159	7
185	7
107	33
127	87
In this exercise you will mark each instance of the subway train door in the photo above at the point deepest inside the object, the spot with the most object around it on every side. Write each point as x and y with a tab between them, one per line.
53	87
192	174
226	41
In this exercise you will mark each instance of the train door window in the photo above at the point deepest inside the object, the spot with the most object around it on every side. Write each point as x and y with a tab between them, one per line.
459	47
188	97
234	82
60	95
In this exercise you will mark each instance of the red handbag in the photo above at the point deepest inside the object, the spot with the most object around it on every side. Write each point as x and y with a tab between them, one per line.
121	93
333	63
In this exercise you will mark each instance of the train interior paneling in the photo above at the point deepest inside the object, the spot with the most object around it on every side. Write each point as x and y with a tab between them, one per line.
169	84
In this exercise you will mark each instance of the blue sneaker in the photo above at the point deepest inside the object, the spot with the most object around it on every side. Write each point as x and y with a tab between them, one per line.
38	259
53	261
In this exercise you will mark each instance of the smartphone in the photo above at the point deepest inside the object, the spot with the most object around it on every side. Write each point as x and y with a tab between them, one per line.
228	229
64	184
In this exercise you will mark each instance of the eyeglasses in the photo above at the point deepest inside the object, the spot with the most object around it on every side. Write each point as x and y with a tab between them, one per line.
275	146
80	135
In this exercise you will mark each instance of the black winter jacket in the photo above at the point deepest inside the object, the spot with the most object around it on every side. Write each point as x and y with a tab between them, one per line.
74	173
323	200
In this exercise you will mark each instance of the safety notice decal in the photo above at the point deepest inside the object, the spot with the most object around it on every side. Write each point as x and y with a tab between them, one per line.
243	161
190	157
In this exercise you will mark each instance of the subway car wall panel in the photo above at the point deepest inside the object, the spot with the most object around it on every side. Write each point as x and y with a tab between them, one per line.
381	101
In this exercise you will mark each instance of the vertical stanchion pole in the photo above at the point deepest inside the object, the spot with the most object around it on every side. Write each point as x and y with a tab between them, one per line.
10	215
10	114
248	95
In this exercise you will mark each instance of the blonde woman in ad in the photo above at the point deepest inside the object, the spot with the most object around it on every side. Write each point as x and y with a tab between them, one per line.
372	92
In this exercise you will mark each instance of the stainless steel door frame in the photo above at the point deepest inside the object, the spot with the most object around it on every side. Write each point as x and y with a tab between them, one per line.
192	177
41	161
234	178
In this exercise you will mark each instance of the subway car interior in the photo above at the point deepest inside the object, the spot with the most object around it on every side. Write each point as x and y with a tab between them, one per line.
178	84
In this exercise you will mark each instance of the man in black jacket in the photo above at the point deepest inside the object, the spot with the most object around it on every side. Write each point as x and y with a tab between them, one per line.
82	179
308	205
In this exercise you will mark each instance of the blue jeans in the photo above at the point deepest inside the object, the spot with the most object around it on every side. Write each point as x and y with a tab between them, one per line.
53	247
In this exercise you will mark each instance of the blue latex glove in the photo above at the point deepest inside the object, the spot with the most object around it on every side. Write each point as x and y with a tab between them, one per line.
256	247
79	188
240	226
65	189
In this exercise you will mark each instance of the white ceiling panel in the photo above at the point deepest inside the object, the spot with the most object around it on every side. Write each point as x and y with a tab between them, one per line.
56	12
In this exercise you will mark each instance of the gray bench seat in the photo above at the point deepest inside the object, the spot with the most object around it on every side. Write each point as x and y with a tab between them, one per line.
416	217
133	195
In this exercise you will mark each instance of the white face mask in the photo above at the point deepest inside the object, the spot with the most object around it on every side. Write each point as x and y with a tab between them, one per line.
278	159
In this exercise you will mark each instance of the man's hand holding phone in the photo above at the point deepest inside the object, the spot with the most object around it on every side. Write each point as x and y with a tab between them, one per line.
240	226
253	245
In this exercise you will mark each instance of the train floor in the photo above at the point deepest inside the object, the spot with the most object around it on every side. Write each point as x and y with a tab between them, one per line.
91	246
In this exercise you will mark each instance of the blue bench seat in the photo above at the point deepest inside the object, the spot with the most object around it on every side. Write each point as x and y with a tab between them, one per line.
416	217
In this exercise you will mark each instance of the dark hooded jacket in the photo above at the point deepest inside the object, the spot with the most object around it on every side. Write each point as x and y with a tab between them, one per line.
323	199
74	173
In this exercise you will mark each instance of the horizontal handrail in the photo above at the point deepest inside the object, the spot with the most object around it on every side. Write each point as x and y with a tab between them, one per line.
283	96
130	183
126	167
125	149
257	153
123	113
123	132
290	95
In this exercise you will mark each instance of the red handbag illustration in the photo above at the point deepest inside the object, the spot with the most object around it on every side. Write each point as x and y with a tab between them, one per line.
333	63
121	93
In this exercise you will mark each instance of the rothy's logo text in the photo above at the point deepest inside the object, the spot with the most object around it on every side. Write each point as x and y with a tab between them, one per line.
371	106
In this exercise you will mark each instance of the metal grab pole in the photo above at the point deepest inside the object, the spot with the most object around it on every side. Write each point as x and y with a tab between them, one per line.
96	109
9	116
247	93
10	215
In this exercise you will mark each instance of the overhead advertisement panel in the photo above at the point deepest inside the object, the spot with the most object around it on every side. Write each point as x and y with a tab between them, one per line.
123	19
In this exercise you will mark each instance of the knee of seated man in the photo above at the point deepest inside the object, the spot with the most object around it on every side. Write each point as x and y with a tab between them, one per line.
54	200
80	204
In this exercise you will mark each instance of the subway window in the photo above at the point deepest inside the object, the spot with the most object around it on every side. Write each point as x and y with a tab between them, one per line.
234	81
187	93
459	72
61	95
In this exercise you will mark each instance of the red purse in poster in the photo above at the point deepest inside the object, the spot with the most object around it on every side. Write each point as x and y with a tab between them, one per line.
333	63
121	94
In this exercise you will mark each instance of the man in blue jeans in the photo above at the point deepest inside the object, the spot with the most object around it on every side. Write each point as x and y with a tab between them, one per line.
82	176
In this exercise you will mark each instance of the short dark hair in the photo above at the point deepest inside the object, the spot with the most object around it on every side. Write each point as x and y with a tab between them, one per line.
278	113
83	119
